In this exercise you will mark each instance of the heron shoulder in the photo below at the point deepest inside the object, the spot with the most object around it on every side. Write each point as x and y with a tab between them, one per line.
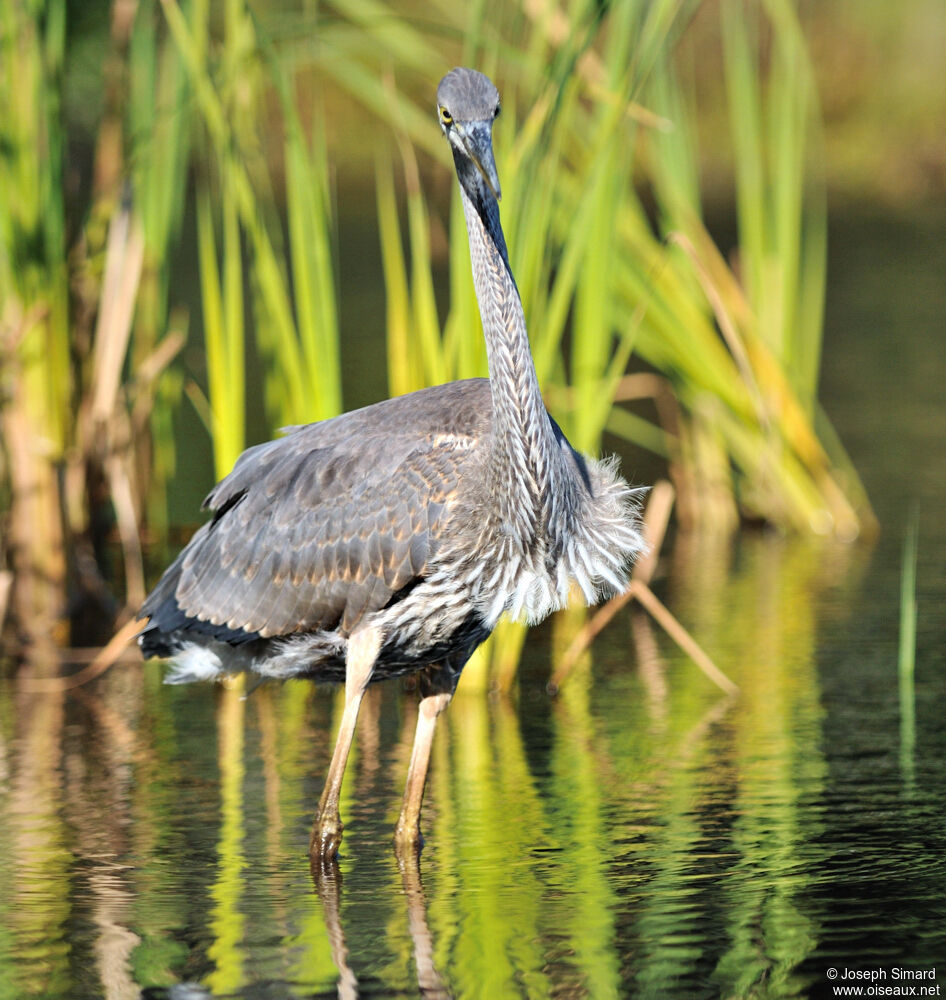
330	522
358	444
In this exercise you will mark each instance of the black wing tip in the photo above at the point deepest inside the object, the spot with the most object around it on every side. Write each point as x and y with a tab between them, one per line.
169	630
155	644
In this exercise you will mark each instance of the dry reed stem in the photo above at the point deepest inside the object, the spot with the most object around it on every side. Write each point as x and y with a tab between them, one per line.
662	615
656	518
6	582
122	492
727	327
33	543
163	354
34	534
124	259
108	432
106	657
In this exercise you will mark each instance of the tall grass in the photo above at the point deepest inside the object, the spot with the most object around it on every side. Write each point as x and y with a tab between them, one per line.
599	279
159	120
906	659
596	119
34	295
292	291
222	299
599	158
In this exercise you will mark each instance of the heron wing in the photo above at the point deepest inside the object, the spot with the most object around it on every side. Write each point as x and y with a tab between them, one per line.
318	528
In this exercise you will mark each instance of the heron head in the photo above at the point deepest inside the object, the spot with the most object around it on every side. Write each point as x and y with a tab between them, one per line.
467	106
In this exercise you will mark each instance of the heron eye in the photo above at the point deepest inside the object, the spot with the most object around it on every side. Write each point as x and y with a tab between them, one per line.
445	116
496	112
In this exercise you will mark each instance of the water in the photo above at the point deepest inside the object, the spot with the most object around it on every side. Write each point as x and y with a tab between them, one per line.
640	835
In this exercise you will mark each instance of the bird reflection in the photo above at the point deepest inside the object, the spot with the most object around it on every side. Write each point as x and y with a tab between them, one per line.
428	978
328	886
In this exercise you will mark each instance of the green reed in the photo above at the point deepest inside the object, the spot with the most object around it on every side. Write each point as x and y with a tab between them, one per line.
222	300
292	291
599	123
588	115
906	659
159	120
35	386
33	276
907	647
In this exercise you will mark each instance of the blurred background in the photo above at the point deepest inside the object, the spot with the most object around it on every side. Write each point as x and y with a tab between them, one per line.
726	220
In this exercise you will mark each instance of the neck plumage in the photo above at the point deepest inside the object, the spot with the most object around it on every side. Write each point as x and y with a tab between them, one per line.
523	451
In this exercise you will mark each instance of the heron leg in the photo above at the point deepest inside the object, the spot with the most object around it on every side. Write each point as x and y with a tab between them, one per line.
363	647
407	831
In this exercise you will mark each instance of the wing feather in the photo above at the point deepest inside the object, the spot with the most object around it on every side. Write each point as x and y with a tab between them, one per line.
321	527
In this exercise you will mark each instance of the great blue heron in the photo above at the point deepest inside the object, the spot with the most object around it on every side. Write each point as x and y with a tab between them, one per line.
390	539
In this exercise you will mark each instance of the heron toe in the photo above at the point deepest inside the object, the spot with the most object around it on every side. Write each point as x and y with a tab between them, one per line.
407	836
326	837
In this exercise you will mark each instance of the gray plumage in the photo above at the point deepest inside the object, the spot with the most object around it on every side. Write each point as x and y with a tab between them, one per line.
423	517
316	531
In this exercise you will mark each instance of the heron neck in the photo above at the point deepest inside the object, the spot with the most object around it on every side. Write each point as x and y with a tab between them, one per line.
522	453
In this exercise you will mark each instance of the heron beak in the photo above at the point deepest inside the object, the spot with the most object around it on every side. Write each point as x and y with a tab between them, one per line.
477	139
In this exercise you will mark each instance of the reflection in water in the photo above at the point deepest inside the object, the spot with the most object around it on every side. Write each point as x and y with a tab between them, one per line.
227	917
328	885
35	908
638	835
428	978
111	893
777	768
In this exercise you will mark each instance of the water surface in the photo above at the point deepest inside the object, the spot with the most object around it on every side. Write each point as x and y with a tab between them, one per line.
640	835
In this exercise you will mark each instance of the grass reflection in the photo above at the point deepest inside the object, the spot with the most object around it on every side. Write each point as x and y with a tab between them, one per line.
637	835
161	903
227	919
580	777
775	759
488	793
35	907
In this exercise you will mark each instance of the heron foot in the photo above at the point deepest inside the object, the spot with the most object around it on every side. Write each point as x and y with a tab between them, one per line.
326	838
407	837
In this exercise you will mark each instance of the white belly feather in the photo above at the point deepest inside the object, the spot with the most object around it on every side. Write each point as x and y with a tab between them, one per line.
597	553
